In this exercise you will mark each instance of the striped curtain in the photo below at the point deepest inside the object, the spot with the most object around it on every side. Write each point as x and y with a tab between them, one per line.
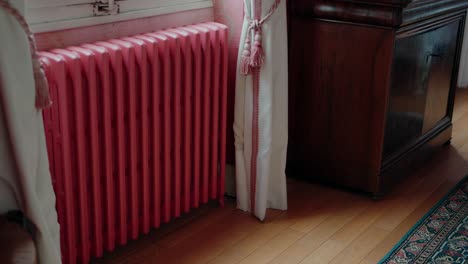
261	108
25	182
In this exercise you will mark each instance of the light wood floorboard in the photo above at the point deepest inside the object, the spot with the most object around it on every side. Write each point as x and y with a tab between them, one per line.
322	225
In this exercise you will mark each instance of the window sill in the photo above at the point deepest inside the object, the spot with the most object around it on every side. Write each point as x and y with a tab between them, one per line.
90	21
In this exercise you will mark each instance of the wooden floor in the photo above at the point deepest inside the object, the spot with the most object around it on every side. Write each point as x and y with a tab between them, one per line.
322	225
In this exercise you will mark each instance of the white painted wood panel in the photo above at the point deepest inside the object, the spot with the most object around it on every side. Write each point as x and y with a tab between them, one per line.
54	3
46	15
52	15
129	5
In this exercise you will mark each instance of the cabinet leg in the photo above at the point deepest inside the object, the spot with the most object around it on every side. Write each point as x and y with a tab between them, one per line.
377	196
448	142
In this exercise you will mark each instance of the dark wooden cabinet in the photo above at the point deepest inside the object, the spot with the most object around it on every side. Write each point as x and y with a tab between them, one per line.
372	86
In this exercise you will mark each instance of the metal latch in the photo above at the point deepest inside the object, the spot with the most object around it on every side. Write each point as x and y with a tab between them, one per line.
106	7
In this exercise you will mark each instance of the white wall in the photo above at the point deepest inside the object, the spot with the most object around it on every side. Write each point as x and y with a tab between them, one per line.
463	73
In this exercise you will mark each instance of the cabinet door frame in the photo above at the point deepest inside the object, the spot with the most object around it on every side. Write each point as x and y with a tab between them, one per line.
446	122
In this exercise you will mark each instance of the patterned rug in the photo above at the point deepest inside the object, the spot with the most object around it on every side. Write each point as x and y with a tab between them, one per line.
440	237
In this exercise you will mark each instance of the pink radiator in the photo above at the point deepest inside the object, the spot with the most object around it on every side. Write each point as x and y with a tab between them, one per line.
136	135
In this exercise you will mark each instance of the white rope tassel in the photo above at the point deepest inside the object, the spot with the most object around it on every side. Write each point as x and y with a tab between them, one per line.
42	89
253	56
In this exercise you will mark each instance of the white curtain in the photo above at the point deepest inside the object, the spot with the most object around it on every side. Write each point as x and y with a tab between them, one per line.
268	187
25	181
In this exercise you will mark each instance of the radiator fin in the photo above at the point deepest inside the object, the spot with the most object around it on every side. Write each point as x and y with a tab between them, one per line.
136	134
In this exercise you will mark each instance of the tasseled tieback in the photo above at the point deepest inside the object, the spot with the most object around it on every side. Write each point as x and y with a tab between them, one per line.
42	89
253	56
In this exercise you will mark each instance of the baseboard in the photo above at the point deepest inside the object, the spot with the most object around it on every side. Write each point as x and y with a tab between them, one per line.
230	180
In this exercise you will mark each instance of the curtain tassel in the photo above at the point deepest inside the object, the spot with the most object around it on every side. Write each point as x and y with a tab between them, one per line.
258	55
42	87
254	56
245	68
42	99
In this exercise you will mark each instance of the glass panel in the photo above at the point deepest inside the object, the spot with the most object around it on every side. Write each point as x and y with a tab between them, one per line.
422	73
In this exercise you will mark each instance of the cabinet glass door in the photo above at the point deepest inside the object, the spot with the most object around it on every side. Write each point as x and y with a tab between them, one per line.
421	82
